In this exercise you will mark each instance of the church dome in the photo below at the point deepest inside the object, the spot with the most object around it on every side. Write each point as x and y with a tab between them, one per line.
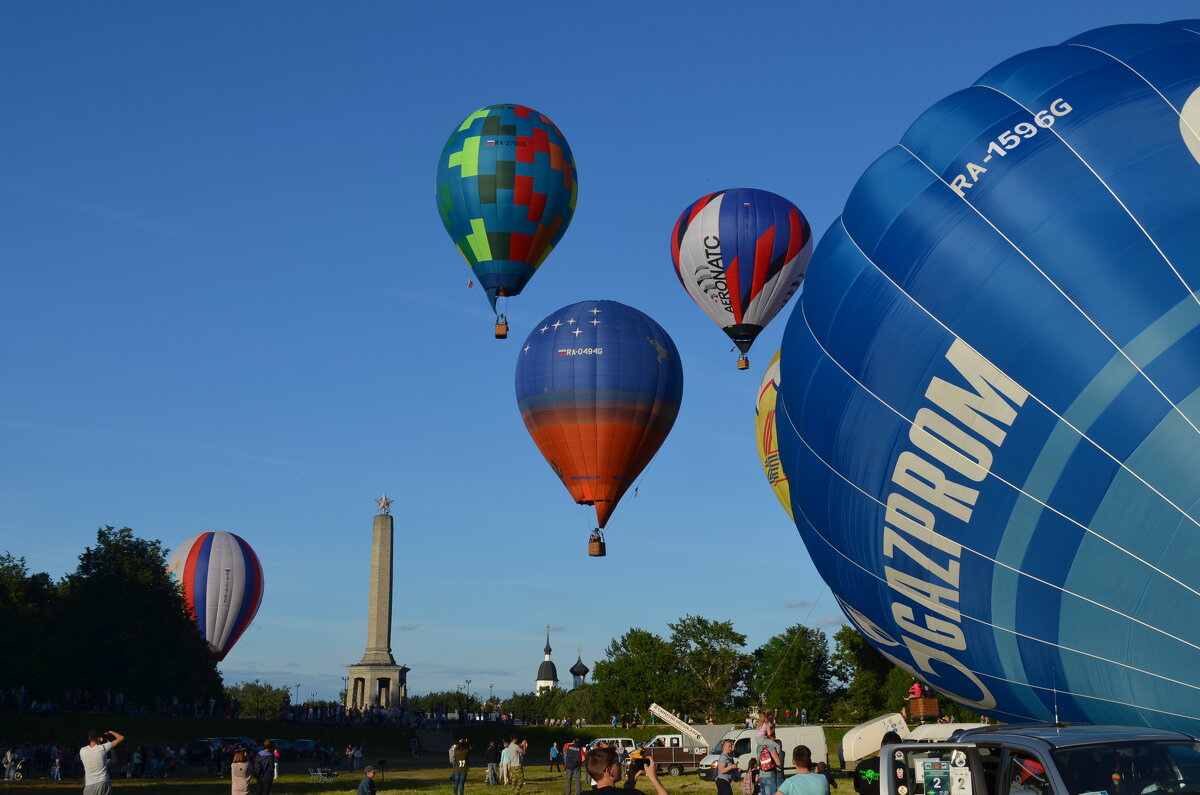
579	669
547	672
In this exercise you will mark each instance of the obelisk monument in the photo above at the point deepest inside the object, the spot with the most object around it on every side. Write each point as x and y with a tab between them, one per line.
376	681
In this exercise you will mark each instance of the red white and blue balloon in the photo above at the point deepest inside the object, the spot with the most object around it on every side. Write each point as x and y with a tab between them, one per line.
222	584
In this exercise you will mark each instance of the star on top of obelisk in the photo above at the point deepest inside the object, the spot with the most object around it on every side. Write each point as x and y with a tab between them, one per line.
384	503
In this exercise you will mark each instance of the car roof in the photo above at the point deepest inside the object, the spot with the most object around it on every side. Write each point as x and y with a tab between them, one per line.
1062	735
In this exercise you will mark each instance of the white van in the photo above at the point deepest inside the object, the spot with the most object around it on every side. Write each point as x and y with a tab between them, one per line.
788	736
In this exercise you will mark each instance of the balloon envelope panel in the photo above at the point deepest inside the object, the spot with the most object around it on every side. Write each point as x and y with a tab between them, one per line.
222	583
599	385
741	254
767	436
989	404
506	189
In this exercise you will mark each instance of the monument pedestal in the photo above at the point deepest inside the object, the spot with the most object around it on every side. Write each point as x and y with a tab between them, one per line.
384	686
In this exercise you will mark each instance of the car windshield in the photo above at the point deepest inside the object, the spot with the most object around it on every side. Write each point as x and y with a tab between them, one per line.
1143	768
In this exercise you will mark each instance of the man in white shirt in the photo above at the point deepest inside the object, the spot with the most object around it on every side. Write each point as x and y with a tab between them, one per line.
94	756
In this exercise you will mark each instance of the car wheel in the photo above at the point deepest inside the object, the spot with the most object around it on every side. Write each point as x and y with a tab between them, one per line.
675	770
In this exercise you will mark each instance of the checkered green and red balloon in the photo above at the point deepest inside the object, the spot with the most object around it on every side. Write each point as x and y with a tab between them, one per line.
506	189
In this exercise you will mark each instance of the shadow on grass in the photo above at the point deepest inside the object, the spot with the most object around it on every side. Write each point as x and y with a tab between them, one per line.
424	780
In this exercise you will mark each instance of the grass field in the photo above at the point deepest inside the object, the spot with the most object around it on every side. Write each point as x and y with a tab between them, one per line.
430	775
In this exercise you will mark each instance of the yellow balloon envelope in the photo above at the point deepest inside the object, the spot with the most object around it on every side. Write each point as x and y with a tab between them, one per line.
768	440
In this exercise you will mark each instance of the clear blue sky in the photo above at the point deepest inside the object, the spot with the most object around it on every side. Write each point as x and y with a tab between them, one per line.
228	302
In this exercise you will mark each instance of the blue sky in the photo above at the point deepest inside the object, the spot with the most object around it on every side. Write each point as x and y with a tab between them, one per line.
228	302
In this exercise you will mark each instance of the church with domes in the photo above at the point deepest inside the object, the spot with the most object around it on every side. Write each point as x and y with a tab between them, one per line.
547	673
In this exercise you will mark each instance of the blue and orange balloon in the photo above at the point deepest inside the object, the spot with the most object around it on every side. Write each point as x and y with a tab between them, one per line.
222	583
989	410
599	385
741	254
506	190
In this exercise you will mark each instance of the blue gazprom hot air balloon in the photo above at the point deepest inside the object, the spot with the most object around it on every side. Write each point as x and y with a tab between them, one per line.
990	394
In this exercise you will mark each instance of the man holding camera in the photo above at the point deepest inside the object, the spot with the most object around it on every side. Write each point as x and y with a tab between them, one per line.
94	756
603	765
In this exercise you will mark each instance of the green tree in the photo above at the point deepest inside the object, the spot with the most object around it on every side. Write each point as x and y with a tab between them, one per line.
128	627
522	706
792	670
864	674
258	700
580	703
716	669
638	668
28	610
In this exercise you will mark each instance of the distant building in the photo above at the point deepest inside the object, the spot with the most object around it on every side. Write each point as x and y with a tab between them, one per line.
578	671
547	674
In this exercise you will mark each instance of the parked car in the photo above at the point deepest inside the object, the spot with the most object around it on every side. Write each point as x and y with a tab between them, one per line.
305	749
198	752
1047	759
284	747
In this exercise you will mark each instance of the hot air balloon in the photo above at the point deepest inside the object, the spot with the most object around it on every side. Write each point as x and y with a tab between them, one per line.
741	254
767	436
222	584
506	191
599	386
990	391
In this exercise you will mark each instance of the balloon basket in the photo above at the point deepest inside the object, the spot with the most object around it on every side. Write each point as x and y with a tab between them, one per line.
501	329
924	708
743	362
596	549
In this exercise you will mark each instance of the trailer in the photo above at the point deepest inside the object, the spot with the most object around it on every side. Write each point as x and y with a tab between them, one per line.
677	753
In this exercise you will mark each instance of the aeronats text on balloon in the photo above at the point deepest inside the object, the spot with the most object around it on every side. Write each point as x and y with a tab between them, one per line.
1006	142
712	278
952	442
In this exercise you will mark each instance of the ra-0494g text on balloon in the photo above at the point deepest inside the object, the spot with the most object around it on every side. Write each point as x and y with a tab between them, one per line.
580	351
1007	141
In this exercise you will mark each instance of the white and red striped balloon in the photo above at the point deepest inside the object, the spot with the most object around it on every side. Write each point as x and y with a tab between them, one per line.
222	583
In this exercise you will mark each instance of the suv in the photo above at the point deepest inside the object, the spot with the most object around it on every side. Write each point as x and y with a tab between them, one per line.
1046	759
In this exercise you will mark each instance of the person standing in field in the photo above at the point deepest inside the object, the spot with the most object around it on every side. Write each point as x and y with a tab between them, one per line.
572	765
462	761
770	760
870	770
367	785
239	774
605	768
806	781
516	770
264	768
94	756
554	761
726	769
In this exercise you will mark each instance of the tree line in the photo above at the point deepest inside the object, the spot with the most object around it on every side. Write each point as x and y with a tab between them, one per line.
114	632
116	629
703	669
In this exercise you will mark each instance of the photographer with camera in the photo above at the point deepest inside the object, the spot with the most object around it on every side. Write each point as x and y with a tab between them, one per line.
603	765
94	756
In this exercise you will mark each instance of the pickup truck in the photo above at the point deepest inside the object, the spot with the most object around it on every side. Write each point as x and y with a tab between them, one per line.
1045	759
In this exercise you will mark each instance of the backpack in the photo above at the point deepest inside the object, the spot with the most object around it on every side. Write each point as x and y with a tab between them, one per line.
766	762
748	785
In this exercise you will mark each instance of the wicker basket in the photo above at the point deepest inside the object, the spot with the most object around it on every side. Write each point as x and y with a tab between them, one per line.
596	549
923	708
